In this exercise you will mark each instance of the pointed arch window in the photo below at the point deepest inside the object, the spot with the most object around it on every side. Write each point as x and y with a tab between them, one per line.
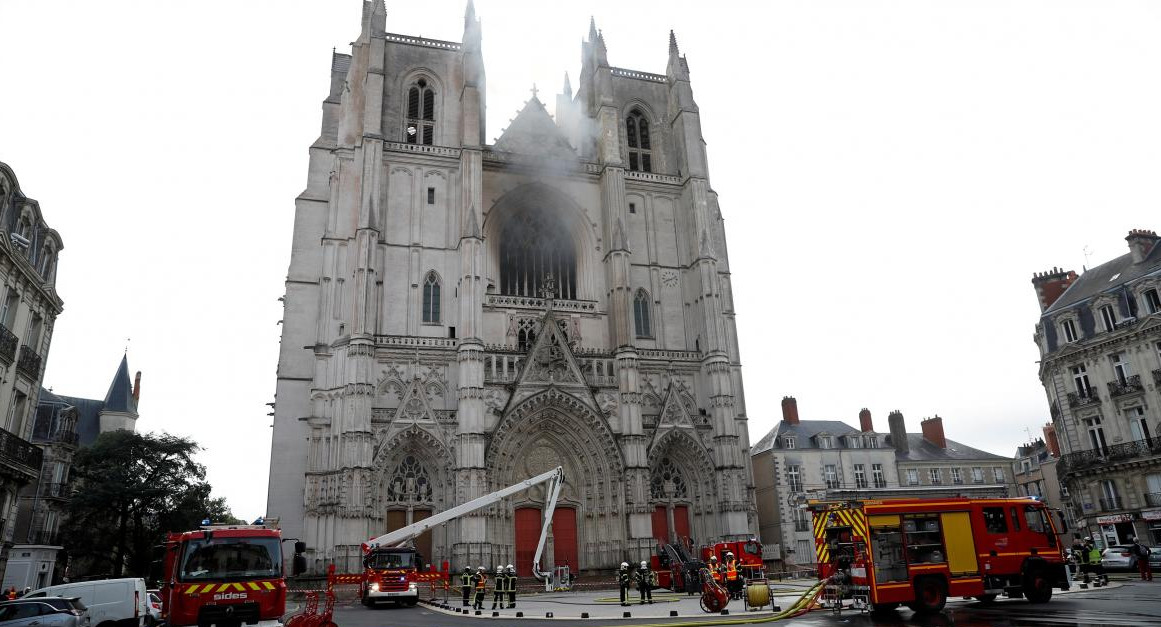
431	300
533	245
640	150
419	128
641	321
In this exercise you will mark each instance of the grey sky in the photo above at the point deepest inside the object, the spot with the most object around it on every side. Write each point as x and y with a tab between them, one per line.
891	175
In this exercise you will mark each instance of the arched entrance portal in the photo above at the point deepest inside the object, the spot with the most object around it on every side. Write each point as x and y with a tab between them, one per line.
548	429
413	482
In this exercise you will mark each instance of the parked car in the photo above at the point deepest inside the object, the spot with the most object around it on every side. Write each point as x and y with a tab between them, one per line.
1155	557
111	602
1119	557
153	616
44	612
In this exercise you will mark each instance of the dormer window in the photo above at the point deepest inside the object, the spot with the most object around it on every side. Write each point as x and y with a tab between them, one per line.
419	127
787	442
637	134
1152	301
1108	316
825	441
854	441
1068	331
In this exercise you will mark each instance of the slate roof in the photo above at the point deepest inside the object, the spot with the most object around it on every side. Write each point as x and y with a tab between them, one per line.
1100	279
804	431
924	451
120	395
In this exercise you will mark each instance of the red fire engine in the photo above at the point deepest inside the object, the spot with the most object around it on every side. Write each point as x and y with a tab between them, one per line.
224	575
677	570
748	554
918	552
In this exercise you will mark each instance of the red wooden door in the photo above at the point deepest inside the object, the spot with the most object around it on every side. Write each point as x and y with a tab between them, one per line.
660	525
564	538
681	521
527	535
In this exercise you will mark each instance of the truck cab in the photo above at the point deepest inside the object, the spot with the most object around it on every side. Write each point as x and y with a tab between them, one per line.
224	575
390	574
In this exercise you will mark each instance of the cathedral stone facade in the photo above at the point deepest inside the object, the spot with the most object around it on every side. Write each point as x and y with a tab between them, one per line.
460	316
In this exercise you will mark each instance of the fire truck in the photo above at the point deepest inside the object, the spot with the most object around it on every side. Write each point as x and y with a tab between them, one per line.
917	552
393	571
224	575
677	570
748	554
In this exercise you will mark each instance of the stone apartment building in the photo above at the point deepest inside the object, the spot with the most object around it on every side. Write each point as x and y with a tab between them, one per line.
1099	336
460	316
29	306
812	459
800	460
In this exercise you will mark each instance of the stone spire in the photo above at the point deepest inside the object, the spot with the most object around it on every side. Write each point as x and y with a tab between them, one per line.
567	91
677	69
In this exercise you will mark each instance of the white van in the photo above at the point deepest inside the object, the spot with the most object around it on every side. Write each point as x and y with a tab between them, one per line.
111	602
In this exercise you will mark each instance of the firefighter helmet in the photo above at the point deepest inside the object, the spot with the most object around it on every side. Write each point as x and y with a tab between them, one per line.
624	565
499	569
644	564
479	569
729	553
713	558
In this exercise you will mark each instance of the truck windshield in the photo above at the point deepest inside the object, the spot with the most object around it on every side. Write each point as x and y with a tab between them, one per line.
381	560
231	558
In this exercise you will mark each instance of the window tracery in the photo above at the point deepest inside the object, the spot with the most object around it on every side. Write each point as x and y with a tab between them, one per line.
637	136
409	483
641	321
431	299
533	244
419	128
667	481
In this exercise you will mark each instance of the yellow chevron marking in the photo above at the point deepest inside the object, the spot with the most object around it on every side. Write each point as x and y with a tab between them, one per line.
239	587
268	585
223	587
190	590
253	586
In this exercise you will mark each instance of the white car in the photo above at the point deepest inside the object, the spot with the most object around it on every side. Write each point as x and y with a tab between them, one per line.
153	615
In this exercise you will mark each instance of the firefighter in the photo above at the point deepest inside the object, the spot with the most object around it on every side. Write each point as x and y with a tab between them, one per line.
733	583
479	582
1094	563
1079	558
500	588
624	582
466	584
511	586
715	569
645	582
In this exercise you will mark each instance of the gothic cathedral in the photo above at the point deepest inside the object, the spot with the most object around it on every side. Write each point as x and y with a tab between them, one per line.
460	316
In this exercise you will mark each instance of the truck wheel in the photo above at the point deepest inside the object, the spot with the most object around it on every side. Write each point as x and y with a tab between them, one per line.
986	599
1037	586
930	596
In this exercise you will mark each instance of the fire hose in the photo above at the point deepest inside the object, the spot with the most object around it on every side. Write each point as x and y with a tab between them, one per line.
801	606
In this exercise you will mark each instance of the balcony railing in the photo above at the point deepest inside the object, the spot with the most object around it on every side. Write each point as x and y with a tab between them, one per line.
1128	386
1080	400
1073	462
1153	499
29	362
1111	504
8	343
19	452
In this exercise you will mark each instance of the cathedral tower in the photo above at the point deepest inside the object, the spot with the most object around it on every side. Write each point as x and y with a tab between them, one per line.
460	316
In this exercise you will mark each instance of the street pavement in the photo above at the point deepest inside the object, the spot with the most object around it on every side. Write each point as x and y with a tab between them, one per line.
1125	603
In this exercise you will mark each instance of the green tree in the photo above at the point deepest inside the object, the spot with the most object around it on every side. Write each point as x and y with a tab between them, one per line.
129	490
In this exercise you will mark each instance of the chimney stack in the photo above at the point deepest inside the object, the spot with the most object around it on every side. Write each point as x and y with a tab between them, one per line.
1051	284
1141	242
898	432
933	431
137	387
1050	440
790	410
865	420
